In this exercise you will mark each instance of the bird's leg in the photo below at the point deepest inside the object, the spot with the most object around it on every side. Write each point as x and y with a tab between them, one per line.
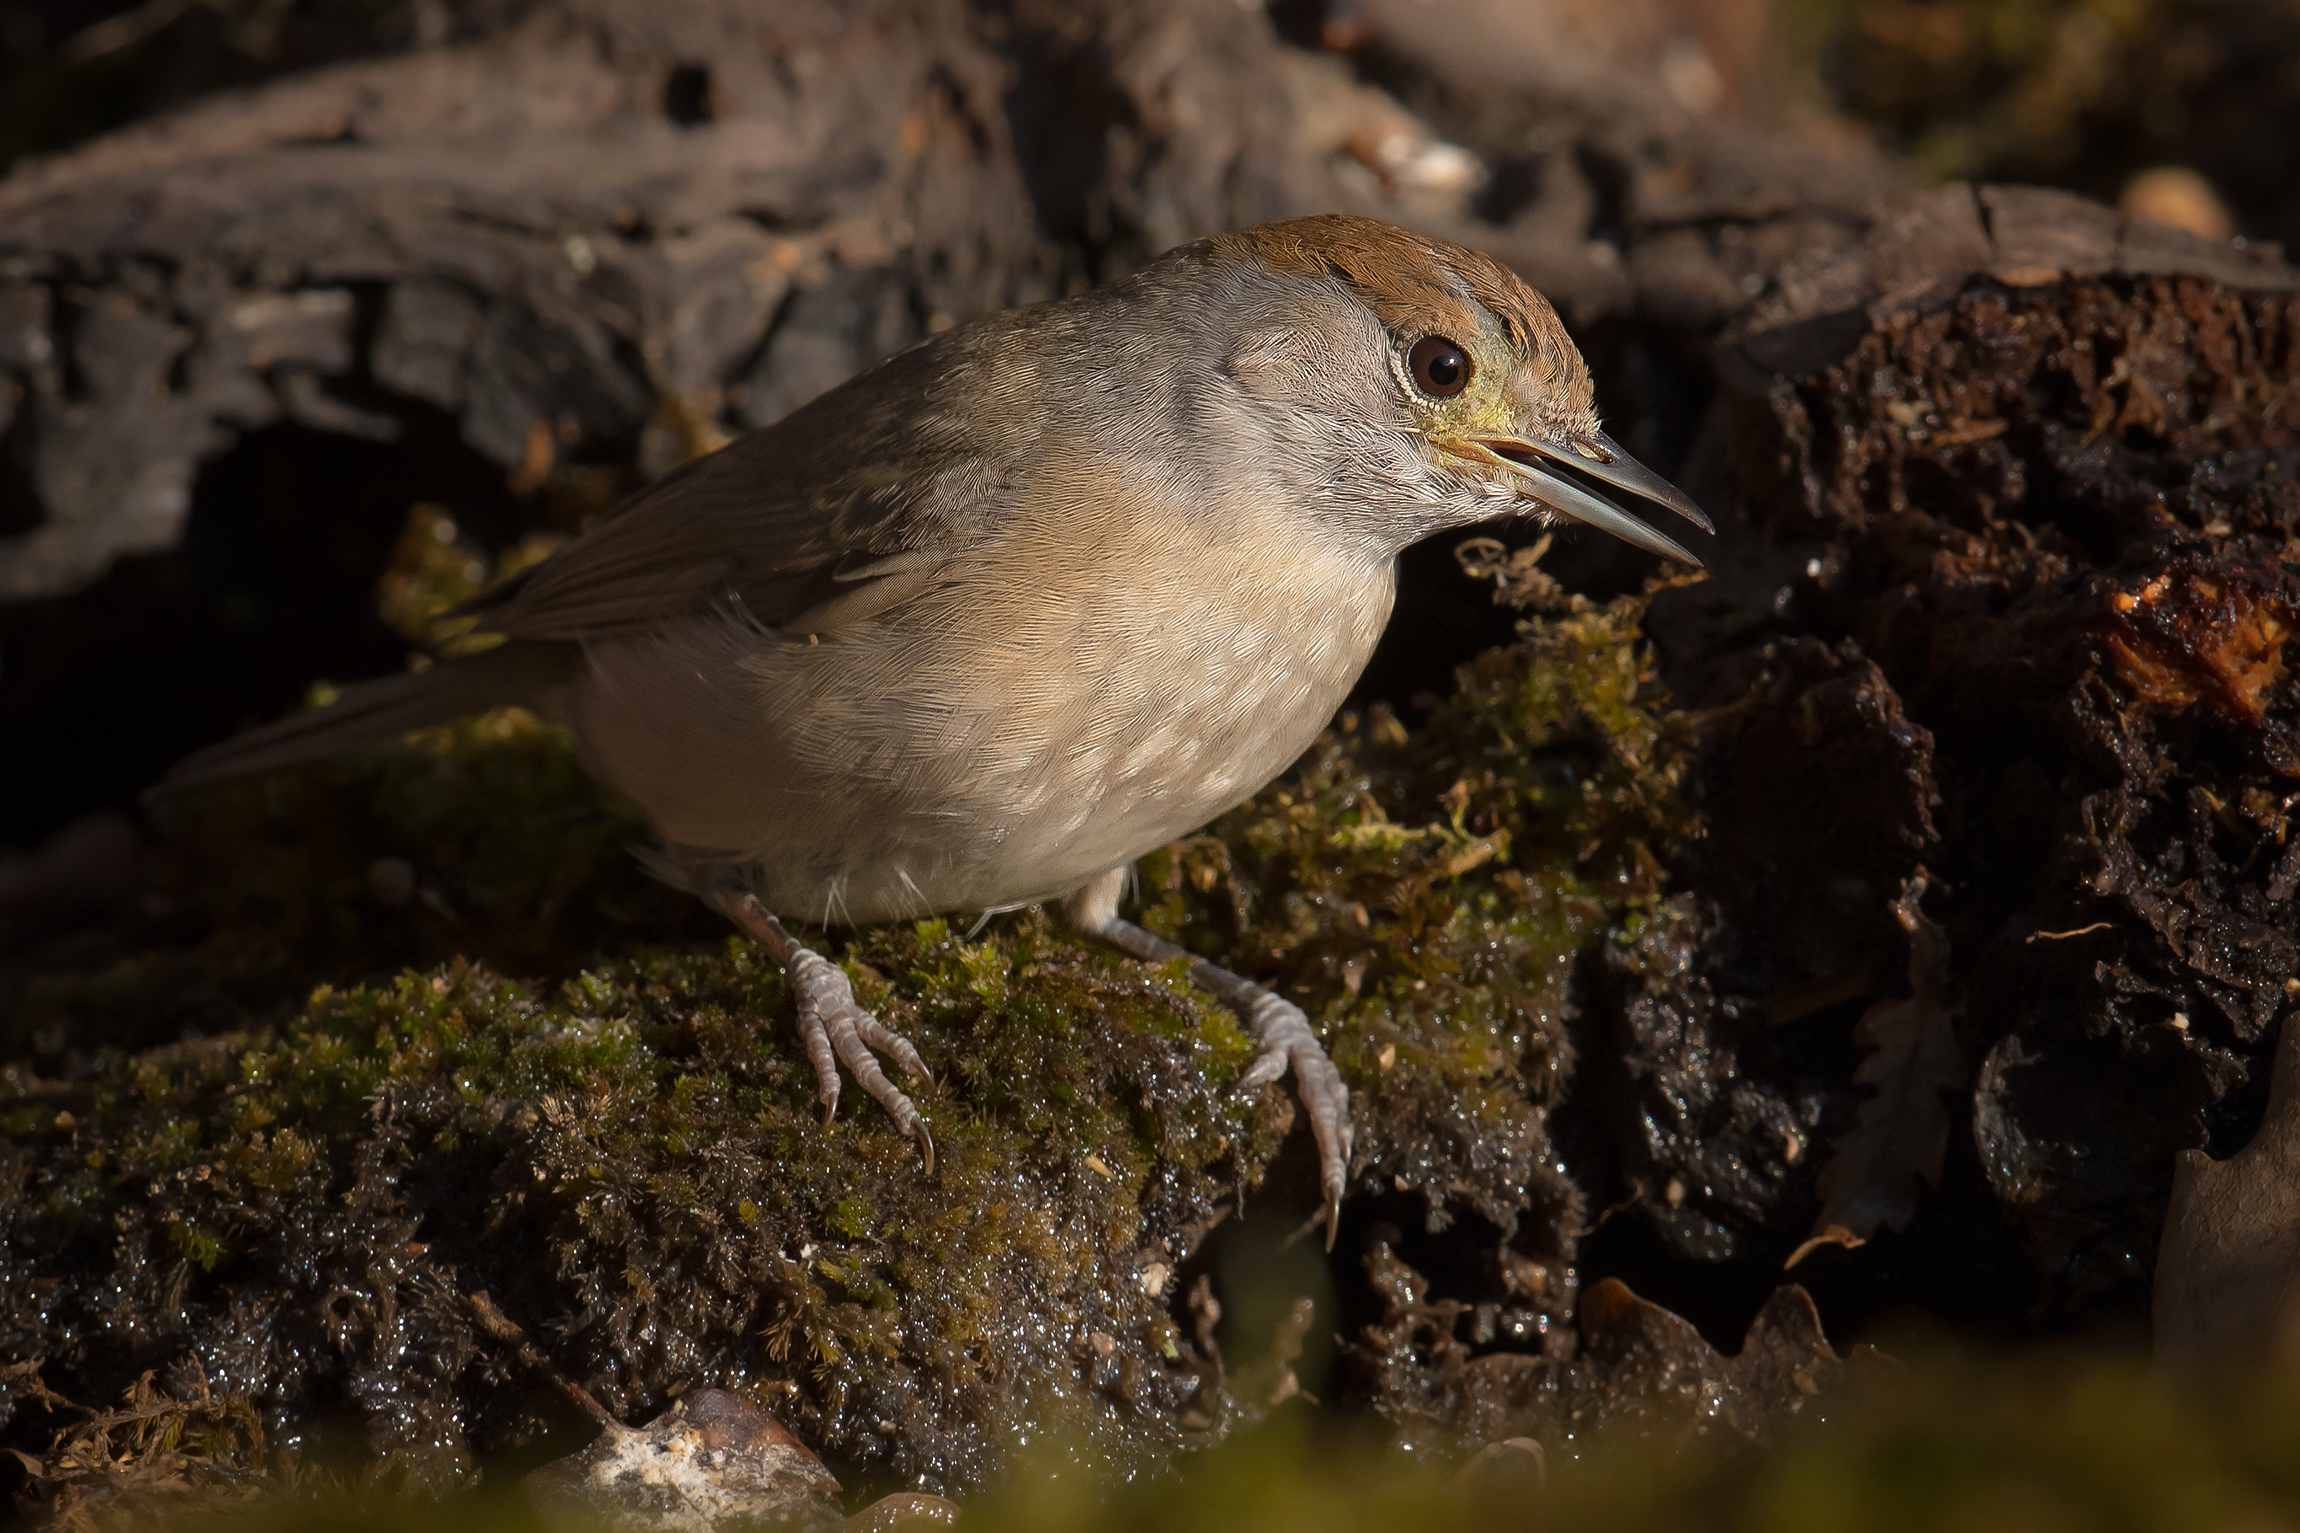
1277	1024
831	1024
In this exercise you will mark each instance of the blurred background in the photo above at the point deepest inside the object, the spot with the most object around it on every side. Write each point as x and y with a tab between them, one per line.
2186	110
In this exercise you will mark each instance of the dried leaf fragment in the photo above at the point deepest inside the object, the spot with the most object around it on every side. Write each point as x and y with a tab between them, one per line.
1902	1132
713	1459
151	1454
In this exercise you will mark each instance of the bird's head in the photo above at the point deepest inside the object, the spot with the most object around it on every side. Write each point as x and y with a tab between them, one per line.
1467	361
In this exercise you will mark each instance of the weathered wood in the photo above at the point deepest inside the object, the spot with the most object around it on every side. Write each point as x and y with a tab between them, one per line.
1919	249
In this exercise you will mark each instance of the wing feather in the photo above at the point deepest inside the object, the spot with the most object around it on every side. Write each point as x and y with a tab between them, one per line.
879	481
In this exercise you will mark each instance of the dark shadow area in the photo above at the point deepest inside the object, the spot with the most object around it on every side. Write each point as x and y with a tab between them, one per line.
1441	619
19	497
271	589
687	95
1062	110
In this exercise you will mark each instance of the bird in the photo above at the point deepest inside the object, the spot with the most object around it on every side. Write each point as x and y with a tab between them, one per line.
980	627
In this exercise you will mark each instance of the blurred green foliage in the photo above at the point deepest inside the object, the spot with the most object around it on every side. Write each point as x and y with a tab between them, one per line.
1957	1439
2075	93
1954	1440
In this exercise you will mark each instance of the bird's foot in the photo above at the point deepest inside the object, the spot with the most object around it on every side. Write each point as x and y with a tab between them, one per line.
833	1025
836	1029
1278	1025
1283	1031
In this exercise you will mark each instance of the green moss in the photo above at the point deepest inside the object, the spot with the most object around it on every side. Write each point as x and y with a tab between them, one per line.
636	1162
508	1061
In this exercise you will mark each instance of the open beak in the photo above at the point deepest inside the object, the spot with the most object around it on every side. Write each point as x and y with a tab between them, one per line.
1597	457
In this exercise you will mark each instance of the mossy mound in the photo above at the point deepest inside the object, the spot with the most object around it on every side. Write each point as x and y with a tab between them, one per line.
466	1046
632	1163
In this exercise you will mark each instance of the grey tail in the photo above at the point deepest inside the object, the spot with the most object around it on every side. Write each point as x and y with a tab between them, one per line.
372	712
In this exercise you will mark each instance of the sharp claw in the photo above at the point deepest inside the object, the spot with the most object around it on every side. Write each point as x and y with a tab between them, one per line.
879	1036
827	1093
1333	1180
913	1067
925	1145
1289	1044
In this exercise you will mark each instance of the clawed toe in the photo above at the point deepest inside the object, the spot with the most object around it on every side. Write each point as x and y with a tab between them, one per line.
1283	1030
833	1026
837	1030
1268	1066
1277	1024
1328	1103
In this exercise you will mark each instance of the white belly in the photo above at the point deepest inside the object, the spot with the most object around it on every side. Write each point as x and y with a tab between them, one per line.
984	745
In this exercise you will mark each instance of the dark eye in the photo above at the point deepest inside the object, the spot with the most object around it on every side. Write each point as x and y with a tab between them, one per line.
1439	367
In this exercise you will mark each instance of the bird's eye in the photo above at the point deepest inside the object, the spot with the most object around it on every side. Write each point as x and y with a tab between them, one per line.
1440	368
